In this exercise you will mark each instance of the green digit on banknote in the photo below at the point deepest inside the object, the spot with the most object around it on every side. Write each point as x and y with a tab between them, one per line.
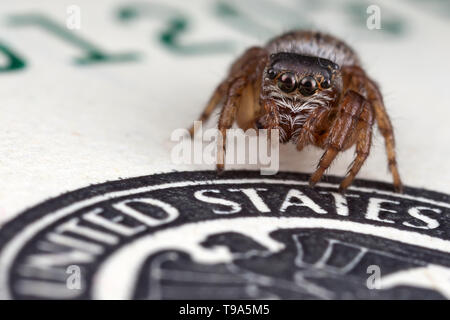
14	61
92	53
176	26
238	20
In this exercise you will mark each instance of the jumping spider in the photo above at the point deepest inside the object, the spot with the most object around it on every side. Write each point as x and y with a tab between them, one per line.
311	87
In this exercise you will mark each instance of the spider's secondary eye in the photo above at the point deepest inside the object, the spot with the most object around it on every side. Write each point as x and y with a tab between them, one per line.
308	86
326	83
271	73
287	82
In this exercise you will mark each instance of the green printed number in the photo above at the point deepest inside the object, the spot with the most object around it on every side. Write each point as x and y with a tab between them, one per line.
13	61
176	25
92	53
236	19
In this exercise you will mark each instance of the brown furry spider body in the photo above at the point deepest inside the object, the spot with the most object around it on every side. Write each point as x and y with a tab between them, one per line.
311	87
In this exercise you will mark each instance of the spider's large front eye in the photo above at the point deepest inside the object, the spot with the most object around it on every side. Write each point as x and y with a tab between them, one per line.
286	82
308	85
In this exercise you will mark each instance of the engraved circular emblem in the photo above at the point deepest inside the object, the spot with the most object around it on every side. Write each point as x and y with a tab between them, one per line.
240	235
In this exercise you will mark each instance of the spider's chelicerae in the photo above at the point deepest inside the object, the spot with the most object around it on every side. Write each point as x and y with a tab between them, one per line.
311	87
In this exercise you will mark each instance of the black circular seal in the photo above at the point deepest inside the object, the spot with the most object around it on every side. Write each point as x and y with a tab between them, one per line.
197	235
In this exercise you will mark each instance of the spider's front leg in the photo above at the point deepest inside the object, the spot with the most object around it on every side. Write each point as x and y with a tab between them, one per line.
215	99
237	70
246	71
351	108
227	117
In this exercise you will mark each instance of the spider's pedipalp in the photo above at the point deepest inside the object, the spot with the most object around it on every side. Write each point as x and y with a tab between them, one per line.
309	133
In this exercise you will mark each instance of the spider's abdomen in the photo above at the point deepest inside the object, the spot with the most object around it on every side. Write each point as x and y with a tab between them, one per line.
314	44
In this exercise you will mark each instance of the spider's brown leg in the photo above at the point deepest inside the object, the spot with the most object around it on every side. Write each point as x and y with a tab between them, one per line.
227	117
241	75
250	106
215	99
245	72
363	144
385	126
238	68
248	57
351	107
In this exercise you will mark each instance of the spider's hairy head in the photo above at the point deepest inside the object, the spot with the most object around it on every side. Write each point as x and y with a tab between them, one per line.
301	76
293	80
299	84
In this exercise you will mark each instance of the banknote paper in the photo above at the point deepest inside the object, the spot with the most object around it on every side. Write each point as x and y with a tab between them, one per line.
92	205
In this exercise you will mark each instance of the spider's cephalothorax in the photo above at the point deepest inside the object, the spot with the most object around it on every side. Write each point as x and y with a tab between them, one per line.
299	85
311	87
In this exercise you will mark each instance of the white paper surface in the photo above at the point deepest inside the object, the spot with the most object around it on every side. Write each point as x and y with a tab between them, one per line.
65	126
